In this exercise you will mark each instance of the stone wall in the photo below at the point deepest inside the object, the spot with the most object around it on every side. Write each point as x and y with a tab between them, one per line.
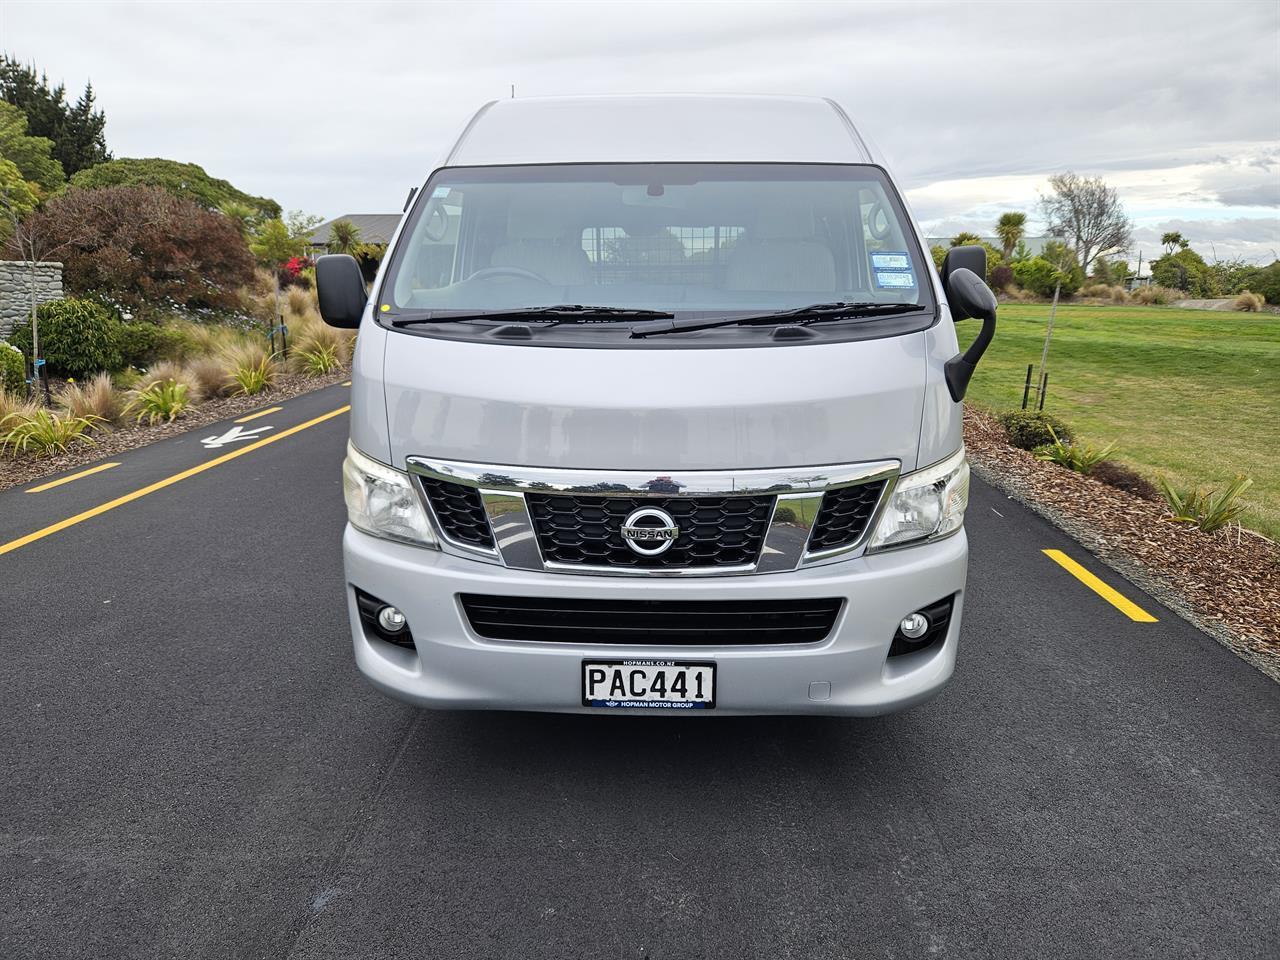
15	289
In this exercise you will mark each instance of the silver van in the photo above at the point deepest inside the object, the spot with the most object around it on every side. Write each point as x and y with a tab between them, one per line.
655	406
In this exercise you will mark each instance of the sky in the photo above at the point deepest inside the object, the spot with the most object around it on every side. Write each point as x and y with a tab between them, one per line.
339	108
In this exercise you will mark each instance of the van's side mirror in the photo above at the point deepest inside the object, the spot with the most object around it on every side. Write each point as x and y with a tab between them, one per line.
968	296
340	290
972	258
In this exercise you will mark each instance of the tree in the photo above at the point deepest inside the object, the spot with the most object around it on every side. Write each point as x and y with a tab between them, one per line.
1173	240
244	217
965	239
145	248
301	225
33	156
17	198
1186	271
77	130
1010	228
186	180
344	237
273	245
1087	212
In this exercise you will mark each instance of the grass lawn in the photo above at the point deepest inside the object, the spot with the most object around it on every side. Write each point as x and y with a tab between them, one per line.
1193	395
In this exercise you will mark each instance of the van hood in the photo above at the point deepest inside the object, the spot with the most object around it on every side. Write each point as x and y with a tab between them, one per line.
655	409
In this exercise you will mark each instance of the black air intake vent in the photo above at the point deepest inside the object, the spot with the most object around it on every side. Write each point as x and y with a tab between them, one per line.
844	515
651	622
460	512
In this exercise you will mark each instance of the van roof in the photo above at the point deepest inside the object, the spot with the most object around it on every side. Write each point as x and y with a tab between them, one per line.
654	128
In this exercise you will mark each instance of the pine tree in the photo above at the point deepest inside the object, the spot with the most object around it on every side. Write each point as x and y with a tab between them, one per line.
77	130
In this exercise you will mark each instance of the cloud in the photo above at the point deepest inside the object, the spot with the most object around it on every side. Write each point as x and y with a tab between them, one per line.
975	104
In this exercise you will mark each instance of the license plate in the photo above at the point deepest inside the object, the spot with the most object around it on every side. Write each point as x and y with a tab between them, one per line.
649	684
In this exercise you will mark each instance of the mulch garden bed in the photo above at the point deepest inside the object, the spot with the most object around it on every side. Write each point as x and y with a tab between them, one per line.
1227	583
21	470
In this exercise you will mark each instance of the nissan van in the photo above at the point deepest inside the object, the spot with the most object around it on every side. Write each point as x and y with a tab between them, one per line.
655	406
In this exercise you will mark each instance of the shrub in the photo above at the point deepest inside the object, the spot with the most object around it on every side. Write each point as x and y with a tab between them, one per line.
1119	294
318	361
1122	478
143	343
1001	277
185	180
1041	277
300	300
170	370
1028	429
78	338
160	401
1208	509
250	370
13	368
1102	290
1186	271
1267	282
1249	302
210	375
142	246
1075	456
43	432
1155	294
11	403
97	398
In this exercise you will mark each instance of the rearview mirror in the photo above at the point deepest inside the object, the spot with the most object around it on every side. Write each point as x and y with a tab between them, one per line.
340	290
971	258
968	296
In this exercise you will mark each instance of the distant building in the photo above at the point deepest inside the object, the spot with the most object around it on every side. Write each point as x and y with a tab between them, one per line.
373	227
1035	245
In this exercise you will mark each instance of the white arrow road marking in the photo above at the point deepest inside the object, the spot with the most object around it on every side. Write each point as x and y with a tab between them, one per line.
231	436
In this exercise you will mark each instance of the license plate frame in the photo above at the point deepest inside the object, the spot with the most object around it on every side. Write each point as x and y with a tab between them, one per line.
648	664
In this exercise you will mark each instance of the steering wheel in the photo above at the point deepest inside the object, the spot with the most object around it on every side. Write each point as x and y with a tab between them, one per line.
520	272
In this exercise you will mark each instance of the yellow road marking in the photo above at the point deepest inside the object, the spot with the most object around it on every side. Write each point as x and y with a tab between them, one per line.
1112	596
346	383
75	476
260	413
166	482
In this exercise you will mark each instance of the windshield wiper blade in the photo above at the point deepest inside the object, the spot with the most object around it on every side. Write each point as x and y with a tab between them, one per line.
559	313
813	313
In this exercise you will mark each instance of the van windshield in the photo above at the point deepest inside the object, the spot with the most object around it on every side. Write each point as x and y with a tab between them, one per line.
682	238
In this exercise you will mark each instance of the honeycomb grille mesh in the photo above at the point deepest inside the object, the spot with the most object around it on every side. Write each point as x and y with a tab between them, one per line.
460	512
586	530
844	515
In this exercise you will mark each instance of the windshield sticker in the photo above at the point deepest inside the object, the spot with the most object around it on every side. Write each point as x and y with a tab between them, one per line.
882	260
894	279
439	192
892	269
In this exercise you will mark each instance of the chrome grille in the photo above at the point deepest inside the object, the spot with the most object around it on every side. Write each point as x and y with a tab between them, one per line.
714	531
700	522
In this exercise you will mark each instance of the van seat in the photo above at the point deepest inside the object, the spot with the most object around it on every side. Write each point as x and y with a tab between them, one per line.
781	252
538	239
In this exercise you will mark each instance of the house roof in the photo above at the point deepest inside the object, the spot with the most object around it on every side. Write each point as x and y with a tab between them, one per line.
373	227
657	128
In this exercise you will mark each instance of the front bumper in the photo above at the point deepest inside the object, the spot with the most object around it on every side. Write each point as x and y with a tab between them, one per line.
454	668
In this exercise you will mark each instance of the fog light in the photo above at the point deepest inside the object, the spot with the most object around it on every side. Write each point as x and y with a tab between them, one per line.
913	626
392	620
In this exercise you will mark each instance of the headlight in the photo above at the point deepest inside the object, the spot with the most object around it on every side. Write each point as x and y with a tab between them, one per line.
925	505
383	502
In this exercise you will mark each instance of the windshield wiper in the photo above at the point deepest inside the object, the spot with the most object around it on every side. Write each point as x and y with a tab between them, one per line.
813	313
558	313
